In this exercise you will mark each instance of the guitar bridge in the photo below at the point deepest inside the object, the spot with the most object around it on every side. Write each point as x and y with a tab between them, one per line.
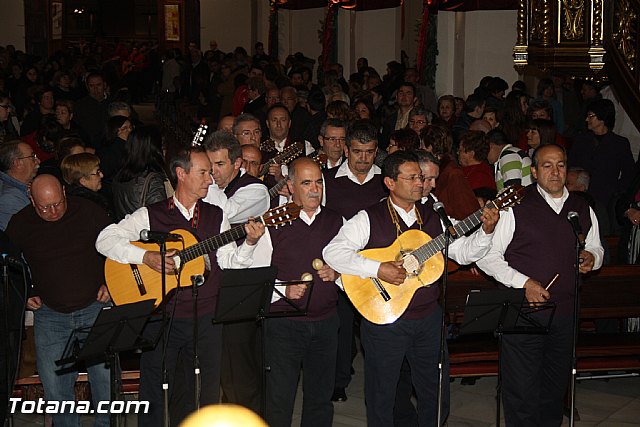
383	292
138	279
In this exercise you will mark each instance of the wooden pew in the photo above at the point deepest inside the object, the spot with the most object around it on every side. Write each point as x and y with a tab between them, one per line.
613	292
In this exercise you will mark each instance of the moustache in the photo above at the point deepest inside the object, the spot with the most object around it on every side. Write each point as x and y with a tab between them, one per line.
313	194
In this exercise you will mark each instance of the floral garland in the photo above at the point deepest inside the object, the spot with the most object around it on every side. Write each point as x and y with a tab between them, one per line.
328	36
273	29
428	43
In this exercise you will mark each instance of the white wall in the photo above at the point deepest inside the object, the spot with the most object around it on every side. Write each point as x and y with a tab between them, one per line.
12	23
226	21
298	32
377	37
473	45
490	37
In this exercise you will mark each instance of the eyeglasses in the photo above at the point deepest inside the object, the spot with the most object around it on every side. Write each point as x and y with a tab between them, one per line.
32	156
591	115
246	133
334	138
48	208
417	122
414	178
6	107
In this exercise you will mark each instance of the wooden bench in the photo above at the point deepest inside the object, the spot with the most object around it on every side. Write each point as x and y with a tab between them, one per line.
613	292
30	388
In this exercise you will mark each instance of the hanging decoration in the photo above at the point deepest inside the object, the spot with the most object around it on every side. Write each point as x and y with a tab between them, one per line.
428	43
273	28
330	35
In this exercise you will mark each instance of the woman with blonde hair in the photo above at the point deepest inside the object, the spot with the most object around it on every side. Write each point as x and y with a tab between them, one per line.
81	172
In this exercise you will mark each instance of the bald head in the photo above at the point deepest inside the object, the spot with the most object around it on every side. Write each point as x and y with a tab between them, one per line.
481	125
48	197
299	164
226	124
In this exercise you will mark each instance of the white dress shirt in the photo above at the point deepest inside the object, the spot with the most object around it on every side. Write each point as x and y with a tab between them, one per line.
338	163
343	170
114	241
341	253
494	263
249	201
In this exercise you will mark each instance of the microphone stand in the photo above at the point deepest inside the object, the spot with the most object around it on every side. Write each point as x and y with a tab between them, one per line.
196	281
5	335
576	319
165	336
441	358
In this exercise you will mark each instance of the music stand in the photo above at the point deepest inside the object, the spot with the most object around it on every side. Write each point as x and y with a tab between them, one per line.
504	311
245	295
116	329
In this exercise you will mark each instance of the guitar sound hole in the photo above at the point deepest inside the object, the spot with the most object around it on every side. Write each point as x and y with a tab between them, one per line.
411	263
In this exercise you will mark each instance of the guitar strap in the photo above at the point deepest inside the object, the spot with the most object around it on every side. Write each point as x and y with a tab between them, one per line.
396	220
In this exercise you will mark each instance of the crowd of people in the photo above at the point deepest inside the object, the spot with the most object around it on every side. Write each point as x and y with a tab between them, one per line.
78	167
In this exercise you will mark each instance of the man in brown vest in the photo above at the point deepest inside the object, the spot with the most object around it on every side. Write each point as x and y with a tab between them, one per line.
308	341
416	334
353	185
533	243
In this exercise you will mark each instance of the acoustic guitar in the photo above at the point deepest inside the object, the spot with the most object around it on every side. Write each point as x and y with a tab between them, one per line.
381	302
130	283
288	154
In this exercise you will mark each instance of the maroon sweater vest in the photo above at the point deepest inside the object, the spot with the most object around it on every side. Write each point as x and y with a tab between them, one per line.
348	198
294	249
240	181
425	300
164	216
543	244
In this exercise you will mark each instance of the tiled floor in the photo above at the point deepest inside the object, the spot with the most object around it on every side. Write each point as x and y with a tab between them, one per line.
612	403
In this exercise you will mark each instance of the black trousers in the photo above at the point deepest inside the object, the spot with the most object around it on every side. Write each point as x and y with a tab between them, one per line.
535	374
386	347
292	345
241	370
179	362
346	341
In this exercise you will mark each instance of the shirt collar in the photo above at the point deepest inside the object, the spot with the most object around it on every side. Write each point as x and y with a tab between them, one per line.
187	213
344	170
408	217
305	217
556	203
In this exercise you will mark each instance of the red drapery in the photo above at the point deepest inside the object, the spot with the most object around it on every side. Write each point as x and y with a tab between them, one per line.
458	5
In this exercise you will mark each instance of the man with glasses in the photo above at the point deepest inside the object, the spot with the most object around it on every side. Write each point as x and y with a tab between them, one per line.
56	237
18	166
333	138
416	334
247	130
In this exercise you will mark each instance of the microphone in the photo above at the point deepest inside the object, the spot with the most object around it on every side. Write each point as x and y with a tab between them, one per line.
197	280
12	261
573	217
439	208
158	236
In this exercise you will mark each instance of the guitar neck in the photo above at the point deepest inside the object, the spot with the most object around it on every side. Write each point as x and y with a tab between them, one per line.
284	157
426	251
267	164
215	242
273	191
